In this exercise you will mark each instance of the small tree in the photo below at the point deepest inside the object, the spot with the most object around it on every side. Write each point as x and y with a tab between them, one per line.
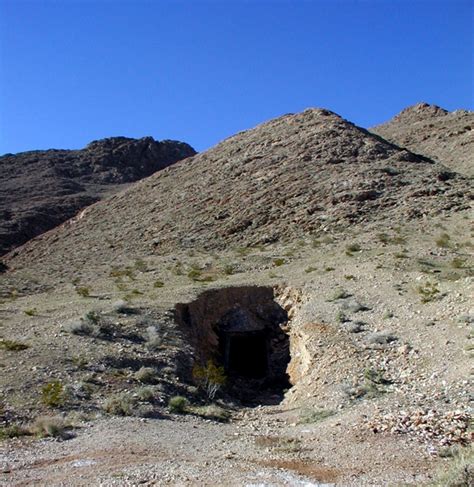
210	377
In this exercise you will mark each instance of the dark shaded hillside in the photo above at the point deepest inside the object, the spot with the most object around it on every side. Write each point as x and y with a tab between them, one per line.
293	176
41	189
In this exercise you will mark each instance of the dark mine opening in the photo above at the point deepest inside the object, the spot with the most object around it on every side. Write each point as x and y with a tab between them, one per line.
245	354
243	330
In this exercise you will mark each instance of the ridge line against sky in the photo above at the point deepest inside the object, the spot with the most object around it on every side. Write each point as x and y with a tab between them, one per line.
74	71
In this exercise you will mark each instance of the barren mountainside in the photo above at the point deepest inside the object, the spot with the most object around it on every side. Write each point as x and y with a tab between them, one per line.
41	189
292	307
447	137
292	176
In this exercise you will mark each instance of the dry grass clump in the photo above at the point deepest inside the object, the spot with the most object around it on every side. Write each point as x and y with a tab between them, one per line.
146	375
154	340
212	411
50	426
12	345
119	405
13	431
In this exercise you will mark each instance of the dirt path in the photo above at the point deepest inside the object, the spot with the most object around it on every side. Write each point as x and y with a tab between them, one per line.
258	448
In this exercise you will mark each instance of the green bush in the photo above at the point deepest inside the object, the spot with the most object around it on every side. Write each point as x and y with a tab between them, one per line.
210	377
53	394
178	404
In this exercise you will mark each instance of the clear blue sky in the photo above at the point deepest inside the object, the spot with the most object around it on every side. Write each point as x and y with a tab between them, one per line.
200	71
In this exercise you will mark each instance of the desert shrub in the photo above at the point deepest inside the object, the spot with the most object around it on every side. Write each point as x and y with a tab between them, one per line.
53	394
212	411
79	327
31	312
460	472
154	340
140	265
314	415
458	263
428	291
353	247
158	284
341	317
209	377
50	426
339	294
178	404
145	394
146	375
12	345
126	272
310	269
278	262
444	240
122	306
13	431
194	274
229	269
119	405
83	291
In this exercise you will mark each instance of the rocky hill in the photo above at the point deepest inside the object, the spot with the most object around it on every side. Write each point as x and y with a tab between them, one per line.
447	137
293	176
289	308
41	189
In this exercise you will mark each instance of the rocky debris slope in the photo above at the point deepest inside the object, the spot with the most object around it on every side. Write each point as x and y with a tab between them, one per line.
41	189
290	177
445	136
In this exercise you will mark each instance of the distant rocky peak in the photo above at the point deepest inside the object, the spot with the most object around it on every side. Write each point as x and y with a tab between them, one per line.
421	111
113	142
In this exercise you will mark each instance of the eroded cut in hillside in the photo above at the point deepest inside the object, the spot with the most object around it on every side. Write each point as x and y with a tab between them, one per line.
243	330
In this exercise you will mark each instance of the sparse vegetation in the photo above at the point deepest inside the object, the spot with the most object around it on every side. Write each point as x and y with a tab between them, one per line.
154	340
13	431
229	269
211	411
278	262
146	375
119	405
351	248
178	405
460	470
210	377
314	415
12	345
310	269
83	291
53	394
443	241
429	291
53	426
145	394
339	294
458	263
158	284
31	312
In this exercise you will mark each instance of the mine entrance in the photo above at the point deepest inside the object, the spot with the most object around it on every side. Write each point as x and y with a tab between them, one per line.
242	329
245	354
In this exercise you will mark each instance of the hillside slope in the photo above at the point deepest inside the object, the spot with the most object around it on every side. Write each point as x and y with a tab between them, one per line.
447	137
41	189
292	176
